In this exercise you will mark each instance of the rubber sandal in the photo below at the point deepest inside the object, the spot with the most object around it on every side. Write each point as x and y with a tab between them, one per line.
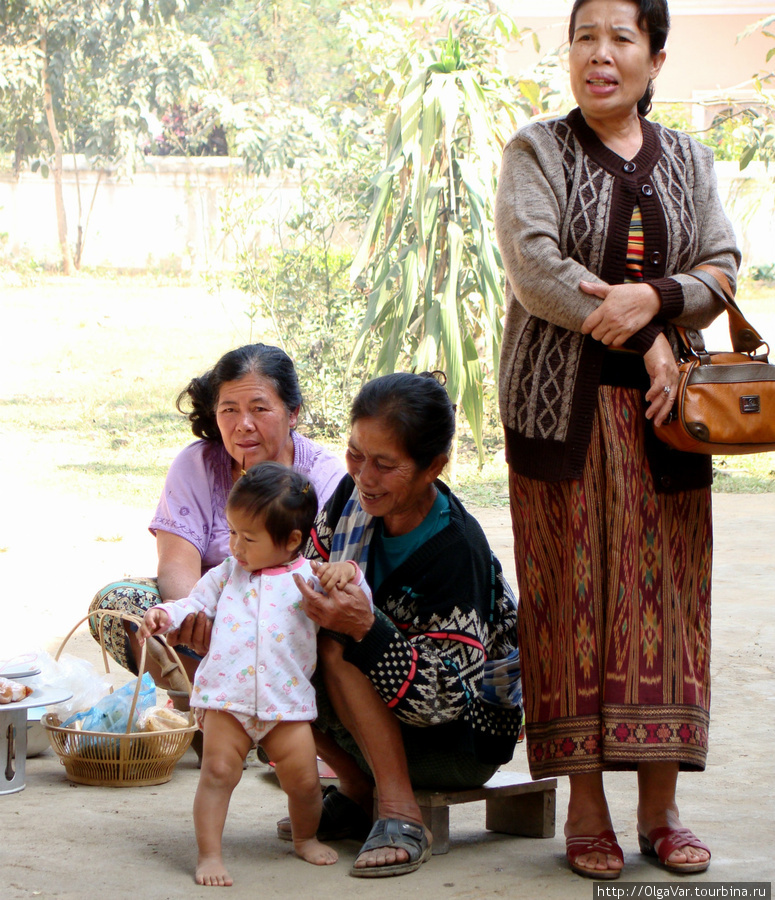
581	844
397	833
669	840
341	818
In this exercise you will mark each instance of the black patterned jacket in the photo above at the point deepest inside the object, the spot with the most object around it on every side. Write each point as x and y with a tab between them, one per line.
446	609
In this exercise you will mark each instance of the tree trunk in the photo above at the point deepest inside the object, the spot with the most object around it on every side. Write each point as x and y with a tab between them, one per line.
67	255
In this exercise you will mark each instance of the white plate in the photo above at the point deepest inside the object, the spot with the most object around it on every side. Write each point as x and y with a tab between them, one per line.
46	696
18	673
23	665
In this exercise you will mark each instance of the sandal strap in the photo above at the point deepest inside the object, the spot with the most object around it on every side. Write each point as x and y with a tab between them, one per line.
671	839
408	836
581	844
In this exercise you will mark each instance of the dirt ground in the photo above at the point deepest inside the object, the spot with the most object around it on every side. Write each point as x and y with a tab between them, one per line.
75	842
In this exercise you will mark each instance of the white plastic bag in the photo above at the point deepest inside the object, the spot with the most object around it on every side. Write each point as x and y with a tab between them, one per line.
77	676
160	718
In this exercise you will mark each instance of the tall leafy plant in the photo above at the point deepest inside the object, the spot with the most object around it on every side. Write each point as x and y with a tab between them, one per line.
427	255
295	274
301	298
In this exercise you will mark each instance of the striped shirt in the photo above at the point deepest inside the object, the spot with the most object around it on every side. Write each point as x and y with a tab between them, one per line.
634	263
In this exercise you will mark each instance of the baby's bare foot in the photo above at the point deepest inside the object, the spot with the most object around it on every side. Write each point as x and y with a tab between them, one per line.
316	853
210	871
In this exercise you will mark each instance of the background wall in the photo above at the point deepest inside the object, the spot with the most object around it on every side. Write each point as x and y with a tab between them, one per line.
706	61
703	53
170	214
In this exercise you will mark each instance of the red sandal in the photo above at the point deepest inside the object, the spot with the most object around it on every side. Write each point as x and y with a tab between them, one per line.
669	840
581	844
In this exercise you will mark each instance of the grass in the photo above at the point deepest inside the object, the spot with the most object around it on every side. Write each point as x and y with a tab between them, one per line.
94	365
90	375
488	487
753	474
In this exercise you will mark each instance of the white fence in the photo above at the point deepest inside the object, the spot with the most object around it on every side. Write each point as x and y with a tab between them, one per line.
169	213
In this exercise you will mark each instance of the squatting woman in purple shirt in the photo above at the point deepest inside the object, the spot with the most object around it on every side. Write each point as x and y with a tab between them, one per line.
243	411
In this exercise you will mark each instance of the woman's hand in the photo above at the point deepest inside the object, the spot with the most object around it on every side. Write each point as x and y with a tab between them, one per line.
336	574
195	632
626	308
346	610
663	372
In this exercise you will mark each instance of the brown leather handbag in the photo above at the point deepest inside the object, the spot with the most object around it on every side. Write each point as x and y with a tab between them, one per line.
725	403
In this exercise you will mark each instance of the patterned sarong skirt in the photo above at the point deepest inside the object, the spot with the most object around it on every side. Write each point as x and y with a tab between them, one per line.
614	623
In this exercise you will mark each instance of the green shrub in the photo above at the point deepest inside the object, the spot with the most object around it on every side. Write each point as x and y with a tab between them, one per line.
315	314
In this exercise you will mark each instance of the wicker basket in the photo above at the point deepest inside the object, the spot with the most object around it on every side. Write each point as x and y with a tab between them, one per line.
102	758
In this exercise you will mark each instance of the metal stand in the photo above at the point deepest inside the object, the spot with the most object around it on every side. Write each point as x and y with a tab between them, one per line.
13	735
13	749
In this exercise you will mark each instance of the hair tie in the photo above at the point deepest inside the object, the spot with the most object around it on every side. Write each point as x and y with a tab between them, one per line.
305	488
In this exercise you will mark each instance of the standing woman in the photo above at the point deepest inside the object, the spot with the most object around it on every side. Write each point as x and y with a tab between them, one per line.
600	216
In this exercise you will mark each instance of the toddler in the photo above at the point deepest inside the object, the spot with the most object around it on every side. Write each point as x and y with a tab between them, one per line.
253	686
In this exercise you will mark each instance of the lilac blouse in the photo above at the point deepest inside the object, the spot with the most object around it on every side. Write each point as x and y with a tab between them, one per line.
193	502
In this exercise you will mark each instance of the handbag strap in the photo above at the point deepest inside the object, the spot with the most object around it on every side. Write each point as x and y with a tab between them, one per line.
745	338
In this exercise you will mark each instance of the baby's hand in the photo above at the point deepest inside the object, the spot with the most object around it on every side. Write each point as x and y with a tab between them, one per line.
155	621
336	574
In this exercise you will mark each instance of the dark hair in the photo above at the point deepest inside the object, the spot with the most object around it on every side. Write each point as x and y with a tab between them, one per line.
284	497
653	20
416	407
269	362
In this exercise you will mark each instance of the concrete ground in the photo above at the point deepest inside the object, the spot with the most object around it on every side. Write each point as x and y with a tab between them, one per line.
73	842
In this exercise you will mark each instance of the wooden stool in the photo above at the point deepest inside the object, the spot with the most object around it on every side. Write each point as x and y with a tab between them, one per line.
515	804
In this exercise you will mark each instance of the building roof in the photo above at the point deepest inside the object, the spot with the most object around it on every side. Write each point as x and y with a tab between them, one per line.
562	8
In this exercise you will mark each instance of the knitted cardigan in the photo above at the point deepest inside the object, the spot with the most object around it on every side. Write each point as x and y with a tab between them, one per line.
446	609
562	215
